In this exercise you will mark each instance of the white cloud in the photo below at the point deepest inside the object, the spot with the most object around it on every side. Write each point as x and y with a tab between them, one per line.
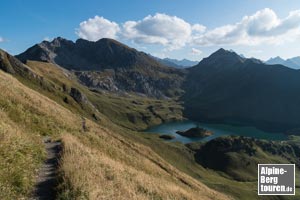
198	28
169	31
1	39
262	27
195	51
96	28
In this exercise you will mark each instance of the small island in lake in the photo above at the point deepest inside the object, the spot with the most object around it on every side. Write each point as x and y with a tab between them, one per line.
195	132
167	137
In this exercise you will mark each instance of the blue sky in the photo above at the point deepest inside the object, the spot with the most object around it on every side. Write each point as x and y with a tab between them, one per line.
166	28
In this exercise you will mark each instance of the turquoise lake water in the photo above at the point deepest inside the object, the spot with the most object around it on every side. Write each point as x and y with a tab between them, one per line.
217	129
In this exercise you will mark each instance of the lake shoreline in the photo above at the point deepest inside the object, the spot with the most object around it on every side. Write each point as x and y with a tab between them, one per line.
219	129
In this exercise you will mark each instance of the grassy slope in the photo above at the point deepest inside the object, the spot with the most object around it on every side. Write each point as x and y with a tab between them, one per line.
20	155
111	160
25	116
102	164
101	150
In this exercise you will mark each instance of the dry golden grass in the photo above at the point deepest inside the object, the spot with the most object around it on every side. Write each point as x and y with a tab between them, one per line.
101	164
53	72
18	100
26	115
20	156
98	164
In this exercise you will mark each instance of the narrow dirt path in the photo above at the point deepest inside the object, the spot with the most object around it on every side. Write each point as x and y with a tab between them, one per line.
46	181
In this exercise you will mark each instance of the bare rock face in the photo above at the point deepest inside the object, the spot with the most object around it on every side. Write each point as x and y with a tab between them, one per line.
110	65
86	55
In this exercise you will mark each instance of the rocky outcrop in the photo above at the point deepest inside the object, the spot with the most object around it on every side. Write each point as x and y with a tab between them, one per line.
78	96
131	81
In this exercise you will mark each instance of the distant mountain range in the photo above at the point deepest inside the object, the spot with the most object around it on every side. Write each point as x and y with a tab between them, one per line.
291	62
223	87
184	63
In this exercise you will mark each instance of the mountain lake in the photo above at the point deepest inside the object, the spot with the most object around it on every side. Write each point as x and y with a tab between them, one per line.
217	129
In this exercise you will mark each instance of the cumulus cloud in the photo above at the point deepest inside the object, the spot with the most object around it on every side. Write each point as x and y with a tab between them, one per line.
195	51
96	28
170	31
198	28
263	26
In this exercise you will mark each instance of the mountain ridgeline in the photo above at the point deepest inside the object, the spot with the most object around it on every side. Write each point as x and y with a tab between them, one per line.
109	65
293	63
227	87
224	87
184	63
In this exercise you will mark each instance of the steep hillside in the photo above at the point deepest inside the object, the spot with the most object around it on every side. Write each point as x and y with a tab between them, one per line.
52	81
102	164
120	167
62	86
226	87
109	65
26	116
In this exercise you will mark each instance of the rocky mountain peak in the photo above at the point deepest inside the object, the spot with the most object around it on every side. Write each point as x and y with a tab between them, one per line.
222	57
88	55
